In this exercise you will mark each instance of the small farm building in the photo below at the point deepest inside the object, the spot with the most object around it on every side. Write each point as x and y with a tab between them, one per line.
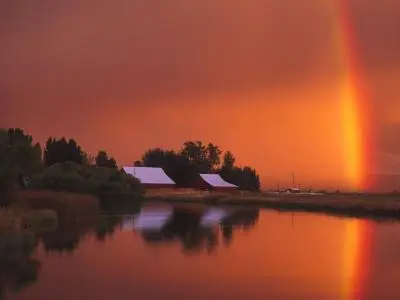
213	182
292	191
150	177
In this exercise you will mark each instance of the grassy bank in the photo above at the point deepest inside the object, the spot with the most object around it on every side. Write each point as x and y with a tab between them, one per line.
44	211
353	205
70	207
22	219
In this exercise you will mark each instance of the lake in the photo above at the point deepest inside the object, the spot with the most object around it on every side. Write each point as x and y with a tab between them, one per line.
253	254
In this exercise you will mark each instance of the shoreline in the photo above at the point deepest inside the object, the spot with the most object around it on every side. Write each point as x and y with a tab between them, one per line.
372	206
384	207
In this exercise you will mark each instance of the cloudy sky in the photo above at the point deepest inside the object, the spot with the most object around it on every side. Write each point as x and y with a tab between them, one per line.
257	77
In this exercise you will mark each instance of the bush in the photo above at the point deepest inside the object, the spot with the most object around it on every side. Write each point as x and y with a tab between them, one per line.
71	177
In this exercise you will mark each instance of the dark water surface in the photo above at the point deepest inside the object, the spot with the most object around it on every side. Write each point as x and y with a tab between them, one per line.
252	255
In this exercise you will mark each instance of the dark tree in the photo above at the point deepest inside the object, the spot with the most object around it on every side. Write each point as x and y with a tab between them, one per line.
246	178
204	159
23	154
213	156
138	163
102	160
57	151
176	166
229	161
18	155
157	157
249	179
88	159
194	152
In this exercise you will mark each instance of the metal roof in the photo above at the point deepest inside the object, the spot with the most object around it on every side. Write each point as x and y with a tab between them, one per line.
216	181
148	175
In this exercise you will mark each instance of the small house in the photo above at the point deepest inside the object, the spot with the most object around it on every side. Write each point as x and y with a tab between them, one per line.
293	191
150	177
213	182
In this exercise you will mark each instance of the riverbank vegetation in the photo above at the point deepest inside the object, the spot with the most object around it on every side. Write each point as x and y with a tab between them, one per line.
18	155
82	183
19	219
71	177
63	165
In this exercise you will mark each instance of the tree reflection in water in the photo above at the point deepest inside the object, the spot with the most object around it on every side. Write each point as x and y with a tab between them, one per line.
106	227
244	219
185	227
66	238
18	268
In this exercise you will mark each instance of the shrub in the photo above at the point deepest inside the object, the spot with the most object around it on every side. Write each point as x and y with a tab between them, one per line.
71	177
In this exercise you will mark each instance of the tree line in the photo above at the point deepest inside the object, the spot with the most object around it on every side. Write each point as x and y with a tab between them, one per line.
195	158
20	156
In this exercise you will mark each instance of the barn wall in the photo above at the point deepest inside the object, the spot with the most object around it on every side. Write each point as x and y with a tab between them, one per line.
158	186
200	184
232	190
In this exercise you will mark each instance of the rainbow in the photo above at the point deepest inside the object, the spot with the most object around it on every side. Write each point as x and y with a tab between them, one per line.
356	259
357	142
354	102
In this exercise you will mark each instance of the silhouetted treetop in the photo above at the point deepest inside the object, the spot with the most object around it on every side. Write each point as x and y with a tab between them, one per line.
18	155
205	157
102	160
61	150
229	161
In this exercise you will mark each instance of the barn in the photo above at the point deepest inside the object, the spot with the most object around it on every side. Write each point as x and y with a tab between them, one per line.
213	182
151	178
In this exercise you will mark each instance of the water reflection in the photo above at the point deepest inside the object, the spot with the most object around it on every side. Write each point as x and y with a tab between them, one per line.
256	254
107	226
70	231
187	226
18	269
240	220
63	240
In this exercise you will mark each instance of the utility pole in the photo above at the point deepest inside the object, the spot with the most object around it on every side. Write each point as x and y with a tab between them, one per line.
292	219
294	180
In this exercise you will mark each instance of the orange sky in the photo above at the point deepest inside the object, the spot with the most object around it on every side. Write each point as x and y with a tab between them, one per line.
260	78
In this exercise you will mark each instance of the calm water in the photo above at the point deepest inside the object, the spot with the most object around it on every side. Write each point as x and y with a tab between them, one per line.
253	255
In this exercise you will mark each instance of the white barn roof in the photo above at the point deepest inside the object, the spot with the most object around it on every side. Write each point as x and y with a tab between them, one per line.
147	175
216	181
